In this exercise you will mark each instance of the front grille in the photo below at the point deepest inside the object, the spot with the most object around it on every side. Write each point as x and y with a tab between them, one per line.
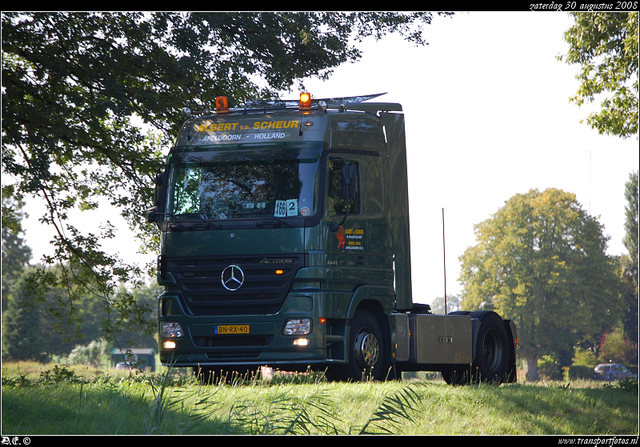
233	355
263	291
233	341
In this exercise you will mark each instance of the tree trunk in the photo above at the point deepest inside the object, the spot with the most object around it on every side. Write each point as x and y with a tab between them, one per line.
532	367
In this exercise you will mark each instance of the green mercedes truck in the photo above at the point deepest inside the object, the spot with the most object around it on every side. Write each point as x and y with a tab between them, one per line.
285	243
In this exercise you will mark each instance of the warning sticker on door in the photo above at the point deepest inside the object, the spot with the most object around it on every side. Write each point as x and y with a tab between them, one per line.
354	239
350	238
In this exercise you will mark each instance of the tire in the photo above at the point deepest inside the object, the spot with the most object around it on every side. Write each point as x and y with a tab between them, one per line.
366	348
456	375
491	363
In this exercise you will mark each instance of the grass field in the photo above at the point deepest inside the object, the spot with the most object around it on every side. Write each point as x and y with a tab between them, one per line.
39	399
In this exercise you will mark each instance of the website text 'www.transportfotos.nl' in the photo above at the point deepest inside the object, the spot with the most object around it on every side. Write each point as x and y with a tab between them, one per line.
607	441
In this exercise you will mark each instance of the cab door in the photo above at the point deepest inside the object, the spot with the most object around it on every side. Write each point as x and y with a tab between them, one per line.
346	244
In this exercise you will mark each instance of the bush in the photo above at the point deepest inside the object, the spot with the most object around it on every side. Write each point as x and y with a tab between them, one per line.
549	369
616	347
90	354
580	372
584	357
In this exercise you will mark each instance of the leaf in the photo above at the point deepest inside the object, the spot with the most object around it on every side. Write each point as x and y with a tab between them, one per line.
393	411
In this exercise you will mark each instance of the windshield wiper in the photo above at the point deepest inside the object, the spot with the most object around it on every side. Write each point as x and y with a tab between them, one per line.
189	226
275	221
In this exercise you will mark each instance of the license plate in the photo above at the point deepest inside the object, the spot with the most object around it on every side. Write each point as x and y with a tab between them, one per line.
232	329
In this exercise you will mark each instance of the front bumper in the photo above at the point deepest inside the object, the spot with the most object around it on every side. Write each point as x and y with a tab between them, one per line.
247	340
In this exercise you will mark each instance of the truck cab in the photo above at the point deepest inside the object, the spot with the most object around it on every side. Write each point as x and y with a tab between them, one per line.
285	243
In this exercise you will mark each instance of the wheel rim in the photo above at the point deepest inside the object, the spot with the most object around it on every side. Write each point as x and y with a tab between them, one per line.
492	350
367	349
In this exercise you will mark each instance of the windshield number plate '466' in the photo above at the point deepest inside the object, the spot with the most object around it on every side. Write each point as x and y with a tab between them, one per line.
232	329
286	208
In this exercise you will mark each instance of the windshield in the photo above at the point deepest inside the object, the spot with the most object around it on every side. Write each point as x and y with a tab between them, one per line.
243	185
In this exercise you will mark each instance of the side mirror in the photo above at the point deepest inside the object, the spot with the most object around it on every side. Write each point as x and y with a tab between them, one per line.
153	215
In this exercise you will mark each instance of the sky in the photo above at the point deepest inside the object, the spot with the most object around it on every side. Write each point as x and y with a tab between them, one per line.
487	117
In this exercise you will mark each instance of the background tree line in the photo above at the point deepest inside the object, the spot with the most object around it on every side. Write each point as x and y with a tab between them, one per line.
39	329
541	259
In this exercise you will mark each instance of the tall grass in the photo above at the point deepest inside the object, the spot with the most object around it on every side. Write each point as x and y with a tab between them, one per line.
65	401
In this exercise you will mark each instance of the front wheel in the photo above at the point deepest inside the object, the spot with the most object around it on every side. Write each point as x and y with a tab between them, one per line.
366	350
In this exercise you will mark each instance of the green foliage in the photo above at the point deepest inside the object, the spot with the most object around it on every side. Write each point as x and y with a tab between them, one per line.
540	261
393	411
90	100
286	414
60	402
605	45
91	354
577	372
616	347
549	368
584	357
59	374
631	220
629	385
46	324
22	327
453	304
629	262
15	252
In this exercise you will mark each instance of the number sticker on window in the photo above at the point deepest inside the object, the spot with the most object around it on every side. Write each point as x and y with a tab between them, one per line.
281	208
292	207
286	208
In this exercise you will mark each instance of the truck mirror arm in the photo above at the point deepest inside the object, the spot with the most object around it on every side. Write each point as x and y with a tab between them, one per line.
153	215
347	181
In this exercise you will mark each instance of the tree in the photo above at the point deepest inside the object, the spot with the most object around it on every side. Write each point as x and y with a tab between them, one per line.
629	262
540	261
453	304
15	252
22	326
616	347
91	354
89	100
605	45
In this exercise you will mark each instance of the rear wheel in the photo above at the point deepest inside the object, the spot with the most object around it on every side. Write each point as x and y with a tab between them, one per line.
491	363
456	374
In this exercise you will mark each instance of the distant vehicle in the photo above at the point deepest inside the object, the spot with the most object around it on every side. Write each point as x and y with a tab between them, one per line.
612	371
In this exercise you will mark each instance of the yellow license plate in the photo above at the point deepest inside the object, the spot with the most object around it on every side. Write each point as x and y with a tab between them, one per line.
232	329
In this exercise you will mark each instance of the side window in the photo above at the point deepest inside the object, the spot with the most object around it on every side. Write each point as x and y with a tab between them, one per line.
373	194
337	202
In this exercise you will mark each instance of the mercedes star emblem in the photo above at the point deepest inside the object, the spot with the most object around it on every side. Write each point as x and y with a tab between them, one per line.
232	278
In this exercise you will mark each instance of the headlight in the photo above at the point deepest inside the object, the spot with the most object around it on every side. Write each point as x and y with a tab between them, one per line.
297	326
171	330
